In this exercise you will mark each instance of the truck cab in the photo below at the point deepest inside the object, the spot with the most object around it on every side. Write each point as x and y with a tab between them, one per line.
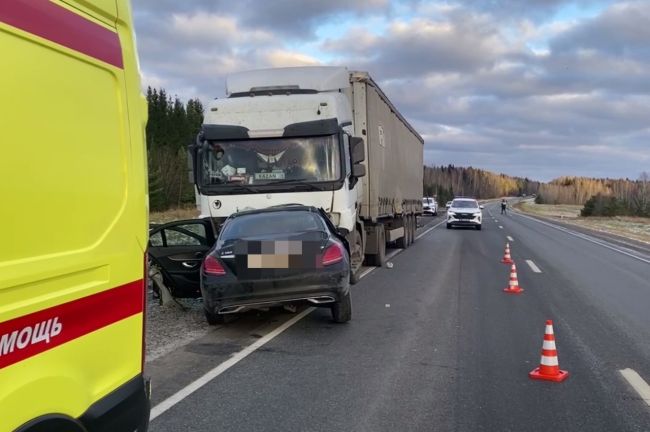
281	136
319	136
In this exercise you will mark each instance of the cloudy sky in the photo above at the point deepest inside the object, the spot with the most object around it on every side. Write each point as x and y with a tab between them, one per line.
537	88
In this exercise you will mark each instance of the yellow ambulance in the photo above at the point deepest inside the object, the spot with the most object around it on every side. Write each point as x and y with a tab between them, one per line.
73	218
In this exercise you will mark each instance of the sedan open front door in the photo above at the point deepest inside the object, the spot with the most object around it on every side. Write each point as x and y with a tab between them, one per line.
177	249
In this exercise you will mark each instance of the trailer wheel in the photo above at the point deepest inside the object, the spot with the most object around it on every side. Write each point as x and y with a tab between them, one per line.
414	227
403	242
410	223
407	231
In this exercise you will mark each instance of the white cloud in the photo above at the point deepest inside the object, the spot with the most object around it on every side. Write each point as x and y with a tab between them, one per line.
495	84
207	28
283	58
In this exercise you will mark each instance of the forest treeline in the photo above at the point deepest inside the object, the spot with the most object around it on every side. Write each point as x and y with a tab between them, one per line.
447	182
601	197
172	126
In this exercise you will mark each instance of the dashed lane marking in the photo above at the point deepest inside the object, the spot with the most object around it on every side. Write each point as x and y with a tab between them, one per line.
637	383
510	238
533	266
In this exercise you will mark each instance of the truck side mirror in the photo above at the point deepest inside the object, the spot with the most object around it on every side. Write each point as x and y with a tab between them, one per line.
357	151
358	170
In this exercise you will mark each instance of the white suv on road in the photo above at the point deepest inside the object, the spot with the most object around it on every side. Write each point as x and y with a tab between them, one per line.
464	212
429	206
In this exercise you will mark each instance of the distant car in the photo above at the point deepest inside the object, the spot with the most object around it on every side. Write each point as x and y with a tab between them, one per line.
274	256
429	206
448	204
465	212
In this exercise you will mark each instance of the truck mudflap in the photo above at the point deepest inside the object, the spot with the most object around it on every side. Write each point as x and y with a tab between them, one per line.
125	409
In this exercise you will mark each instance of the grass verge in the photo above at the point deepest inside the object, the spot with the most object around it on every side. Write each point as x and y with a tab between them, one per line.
635	228
173	214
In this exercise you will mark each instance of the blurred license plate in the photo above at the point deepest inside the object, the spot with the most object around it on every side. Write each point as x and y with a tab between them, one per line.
269	176
268	261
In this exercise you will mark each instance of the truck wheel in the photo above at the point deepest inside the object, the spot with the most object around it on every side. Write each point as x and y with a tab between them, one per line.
356	257
342	309
213	318
379	258
448	226
402	242
478	227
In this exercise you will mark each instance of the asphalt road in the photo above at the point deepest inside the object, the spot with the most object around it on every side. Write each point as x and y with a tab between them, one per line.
435	345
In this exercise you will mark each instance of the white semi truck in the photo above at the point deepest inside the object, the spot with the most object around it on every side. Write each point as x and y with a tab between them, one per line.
320	136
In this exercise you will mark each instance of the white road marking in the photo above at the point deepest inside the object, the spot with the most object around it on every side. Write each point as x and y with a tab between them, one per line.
500	227
585	237
195	385
533	266
365	272
427	231
637	383
510	238
393	253
496	220
221	368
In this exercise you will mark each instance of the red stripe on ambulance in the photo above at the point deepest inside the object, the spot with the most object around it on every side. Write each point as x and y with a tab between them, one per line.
29	335
64	27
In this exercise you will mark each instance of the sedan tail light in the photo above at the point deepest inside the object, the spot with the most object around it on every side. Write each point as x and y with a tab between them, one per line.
333	254
212	266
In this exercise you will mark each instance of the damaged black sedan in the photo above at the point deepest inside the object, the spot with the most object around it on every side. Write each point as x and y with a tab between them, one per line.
274	256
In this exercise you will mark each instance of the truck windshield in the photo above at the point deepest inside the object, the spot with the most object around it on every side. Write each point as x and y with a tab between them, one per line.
270	160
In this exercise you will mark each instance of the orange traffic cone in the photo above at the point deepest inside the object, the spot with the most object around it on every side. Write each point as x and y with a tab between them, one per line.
506	256
549	368
513	285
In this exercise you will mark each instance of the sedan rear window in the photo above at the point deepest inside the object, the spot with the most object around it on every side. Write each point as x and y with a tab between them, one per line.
465	204
268	223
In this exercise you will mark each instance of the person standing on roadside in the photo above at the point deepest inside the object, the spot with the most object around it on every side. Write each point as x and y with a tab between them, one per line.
504	205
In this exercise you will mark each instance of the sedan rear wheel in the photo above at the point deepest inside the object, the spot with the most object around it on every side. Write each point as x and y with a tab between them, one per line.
342	309
214	318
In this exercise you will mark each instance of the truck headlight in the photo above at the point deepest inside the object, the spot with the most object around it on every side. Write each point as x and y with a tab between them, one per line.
335	218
